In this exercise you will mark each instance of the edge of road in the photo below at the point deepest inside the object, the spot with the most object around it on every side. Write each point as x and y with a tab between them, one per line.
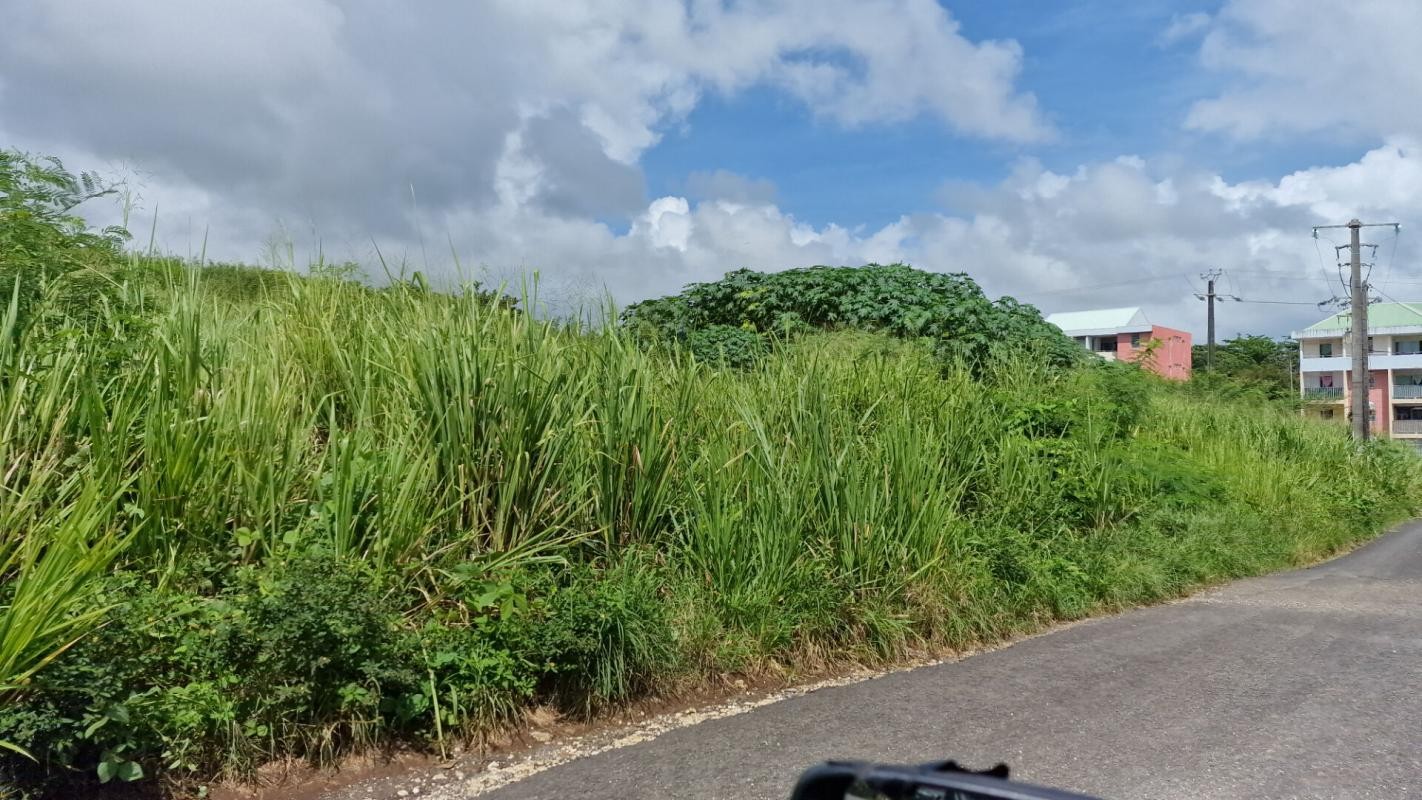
472	775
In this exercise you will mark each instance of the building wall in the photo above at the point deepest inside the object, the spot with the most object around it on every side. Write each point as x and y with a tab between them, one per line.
1308	348
1380	395
1169	359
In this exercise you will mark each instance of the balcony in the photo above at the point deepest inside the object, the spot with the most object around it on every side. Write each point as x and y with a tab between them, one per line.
1325	364
1403	391
1376	360
1322	394
1407	426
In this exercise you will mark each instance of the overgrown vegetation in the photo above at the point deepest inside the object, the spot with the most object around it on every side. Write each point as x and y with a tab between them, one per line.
249	516
1250	368
735	320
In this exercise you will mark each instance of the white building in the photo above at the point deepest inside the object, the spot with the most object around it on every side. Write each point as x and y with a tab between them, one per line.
1394	369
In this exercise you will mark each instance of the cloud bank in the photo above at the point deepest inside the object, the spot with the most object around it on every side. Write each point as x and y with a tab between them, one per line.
506	135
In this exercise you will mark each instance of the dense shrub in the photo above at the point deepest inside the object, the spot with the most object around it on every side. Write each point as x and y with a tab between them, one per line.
726	345
948	309
190	678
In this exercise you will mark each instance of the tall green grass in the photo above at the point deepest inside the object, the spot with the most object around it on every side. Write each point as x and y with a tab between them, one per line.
522	511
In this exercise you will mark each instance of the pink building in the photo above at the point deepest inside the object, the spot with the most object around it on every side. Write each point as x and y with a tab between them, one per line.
1394	369
1124	334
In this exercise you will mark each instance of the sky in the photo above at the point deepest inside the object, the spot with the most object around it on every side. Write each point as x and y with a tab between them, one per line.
1072	155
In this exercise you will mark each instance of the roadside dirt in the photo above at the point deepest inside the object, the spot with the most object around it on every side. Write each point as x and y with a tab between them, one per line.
545	740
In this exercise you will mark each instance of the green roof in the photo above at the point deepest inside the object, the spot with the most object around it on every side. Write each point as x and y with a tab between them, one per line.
1381	315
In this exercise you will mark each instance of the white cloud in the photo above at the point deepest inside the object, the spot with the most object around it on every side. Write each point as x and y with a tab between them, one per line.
1133	234
1184	26
1299	67
724	185
512	129
348	87
1138	237
349	121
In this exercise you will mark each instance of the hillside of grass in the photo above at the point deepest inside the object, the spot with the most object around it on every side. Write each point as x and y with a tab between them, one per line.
298	517
251	515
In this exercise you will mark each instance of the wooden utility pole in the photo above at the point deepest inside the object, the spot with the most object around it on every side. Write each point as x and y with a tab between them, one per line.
1358	289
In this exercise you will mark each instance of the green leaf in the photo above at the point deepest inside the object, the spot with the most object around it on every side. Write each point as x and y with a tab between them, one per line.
14	748
129	771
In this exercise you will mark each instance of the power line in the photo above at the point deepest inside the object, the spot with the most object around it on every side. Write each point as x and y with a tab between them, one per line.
1396	234
1321	266
1358	296
1282	302
1282	276
1132	282
1410	307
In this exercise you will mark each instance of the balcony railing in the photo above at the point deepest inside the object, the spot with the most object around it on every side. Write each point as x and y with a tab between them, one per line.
1407	426
1323	393
1349	354
1405	391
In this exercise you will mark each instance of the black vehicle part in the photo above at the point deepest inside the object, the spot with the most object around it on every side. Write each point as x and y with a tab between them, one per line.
940	780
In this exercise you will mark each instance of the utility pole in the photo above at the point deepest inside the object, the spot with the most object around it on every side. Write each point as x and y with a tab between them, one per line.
1209	298
1358	291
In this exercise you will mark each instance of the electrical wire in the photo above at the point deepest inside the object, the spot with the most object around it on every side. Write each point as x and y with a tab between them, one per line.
1409	306
1281	302
1284	276
1321	265
1396	234
1150	279
1230	280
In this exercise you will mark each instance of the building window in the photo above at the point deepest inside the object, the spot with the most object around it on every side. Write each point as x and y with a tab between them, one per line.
1326	413
1407	348
1135	340
1325	381
1106	344
1370	344
1325	350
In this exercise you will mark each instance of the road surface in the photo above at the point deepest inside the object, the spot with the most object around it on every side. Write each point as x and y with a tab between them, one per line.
1297	685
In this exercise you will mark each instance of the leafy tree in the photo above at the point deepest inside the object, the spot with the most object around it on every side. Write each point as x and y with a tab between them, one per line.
1268	365
41	236
896	299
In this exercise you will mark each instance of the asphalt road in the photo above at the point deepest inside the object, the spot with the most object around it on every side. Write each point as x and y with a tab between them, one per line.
1298	685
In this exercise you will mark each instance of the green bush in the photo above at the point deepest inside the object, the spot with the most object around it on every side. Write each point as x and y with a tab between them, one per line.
948	309
194	679
600	635
726	345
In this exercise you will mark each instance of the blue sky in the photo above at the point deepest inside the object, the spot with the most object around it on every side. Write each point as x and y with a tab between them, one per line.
1082	154
1102	75
1099	75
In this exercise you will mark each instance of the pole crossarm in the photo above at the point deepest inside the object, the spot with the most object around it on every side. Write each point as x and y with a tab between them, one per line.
1358	324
